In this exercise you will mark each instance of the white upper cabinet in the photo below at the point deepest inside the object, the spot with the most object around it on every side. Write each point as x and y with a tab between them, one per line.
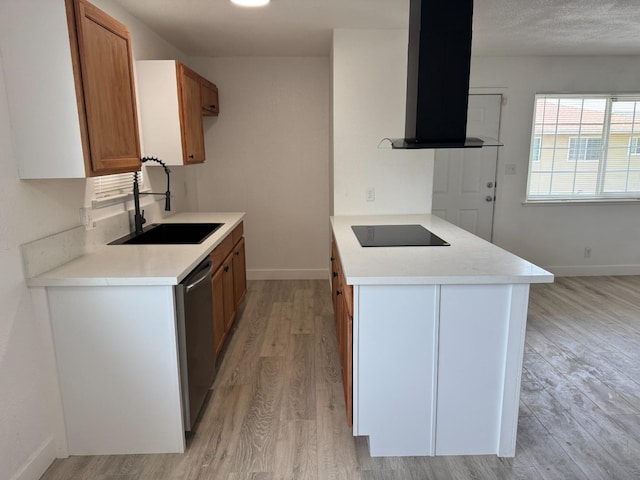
69	79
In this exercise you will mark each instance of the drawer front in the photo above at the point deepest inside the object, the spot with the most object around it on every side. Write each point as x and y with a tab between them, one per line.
237	233
221	251
340	281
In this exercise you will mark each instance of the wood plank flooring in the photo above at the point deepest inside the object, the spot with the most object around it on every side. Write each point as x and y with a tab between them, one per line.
277	408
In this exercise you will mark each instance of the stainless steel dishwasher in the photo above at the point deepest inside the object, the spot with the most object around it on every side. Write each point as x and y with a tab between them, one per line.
195	340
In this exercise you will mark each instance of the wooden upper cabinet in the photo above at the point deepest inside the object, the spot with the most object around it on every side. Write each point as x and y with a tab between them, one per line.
108	91
171	110
209	98
190	115
70	89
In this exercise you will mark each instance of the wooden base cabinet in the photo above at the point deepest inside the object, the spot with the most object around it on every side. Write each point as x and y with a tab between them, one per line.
191	128
228	299
219	324
229	284
239	273
342	296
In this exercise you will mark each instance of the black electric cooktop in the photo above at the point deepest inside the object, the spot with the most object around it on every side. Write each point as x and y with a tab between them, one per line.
396	236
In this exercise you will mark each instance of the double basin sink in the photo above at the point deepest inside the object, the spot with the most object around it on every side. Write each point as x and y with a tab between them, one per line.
170	234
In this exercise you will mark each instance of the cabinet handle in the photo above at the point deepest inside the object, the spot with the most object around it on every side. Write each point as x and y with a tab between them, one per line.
238	254
226	269
335	274
190	156
213	107
333	259
338	292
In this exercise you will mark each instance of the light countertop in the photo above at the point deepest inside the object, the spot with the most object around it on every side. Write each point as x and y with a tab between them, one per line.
113	265
468	259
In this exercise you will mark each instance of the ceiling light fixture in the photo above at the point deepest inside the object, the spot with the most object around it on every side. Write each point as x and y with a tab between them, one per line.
250	3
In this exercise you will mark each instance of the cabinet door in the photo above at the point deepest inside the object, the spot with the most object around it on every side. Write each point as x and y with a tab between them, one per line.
239	273
334	277
347	366
219	331
344	331
190	115
108	91
209	98
342	296
229	301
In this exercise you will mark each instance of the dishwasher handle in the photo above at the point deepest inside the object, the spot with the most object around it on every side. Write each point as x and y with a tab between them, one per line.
200	276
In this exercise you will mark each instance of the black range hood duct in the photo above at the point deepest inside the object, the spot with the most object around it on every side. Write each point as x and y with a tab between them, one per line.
438	69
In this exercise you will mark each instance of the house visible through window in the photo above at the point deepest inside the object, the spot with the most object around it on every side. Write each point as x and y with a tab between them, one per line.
585	147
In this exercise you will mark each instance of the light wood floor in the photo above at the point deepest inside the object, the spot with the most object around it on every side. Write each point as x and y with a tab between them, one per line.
277	410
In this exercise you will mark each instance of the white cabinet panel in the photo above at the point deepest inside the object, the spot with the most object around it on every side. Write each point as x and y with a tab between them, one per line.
117	359
395	333
474	322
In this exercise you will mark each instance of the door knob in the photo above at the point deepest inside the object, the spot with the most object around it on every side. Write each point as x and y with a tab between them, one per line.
489	198
489	184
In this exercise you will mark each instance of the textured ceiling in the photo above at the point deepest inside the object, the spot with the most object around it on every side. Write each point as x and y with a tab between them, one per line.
303	27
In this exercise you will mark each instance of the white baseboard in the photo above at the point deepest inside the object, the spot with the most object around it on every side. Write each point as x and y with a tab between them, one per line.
593	270
288	274
38	462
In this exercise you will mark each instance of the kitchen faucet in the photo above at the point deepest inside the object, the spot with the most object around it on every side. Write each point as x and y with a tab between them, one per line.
138	217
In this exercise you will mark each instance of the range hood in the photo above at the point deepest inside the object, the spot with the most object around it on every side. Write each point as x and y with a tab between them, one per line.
438	69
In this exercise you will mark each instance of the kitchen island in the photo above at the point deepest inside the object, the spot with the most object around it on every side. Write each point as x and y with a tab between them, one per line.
438	340
113	316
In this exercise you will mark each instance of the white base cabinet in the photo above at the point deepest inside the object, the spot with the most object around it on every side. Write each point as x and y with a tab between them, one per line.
117	360
394	334
436	368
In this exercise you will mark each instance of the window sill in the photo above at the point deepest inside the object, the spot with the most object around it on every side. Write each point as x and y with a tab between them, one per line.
114	200
612	201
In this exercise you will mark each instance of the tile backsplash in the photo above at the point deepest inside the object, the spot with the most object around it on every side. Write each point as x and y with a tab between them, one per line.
50	252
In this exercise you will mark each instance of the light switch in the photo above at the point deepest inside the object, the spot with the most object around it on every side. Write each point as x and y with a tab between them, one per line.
371	194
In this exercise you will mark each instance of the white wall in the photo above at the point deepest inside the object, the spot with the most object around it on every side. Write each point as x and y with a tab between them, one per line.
554	236
30	210
369	97
25	403
268	155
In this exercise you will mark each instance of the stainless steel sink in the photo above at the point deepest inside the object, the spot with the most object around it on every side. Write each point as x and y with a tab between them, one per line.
170	234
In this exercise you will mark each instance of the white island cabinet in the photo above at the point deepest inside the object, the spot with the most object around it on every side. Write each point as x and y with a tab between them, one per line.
113	321
438	340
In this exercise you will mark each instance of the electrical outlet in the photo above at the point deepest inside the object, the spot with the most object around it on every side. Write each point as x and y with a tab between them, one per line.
587	252
371	194
510	169
86	218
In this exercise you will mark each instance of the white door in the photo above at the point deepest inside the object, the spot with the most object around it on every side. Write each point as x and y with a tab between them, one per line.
464	179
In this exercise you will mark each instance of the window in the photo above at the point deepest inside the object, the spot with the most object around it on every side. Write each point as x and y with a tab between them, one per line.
585	147
535	149
112	189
